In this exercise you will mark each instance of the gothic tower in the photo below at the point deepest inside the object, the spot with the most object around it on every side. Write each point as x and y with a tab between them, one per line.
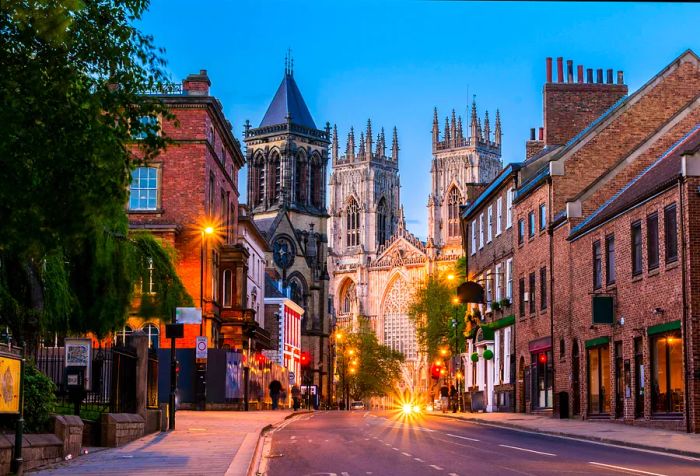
461	166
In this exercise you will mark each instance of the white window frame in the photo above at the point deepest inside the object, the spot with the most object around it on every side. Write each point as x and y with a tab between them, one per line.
507	332
498	281
481	231
142	176
489	230
509	279
509	209
499	212
489	289
473	237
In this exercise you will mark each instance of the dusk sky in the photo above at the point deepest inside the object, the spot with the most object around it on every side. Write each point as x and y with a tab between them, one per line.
393	61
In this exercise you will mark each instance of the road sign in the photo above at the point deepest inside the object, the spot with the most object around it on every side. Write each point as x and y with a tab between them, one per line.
201	348
292	378
188	315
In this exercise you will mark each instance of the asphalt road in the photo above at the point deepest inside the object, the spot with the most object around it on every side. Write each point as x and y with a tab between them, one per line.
382	443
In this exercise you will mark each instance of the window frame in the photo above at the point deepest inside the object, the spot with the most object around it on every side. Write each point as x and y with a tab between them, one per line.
636	249
499	213
610	273
481	231
543	216
531	224
653	254
533	287
489	229
148	178
521	231
543	288
670	237
597	252
473	237
509	208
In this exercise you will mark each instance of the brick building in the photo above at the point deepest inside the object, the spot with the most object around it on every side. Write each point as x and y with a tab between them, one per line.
489	226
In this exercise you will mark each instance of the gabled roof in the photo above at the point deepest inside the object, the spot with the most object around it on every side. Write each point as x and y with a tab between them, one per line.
288	102
660	174
491	188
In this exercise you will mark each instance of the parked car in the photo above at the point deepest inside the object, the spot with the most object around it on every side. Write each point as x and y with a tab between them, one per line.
357	405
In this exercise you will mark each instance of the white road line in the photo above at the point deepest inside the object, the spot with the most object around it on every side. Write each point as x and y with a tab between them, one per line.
387	444
434	466
395	449
419	460
292	437
638	471
462	437
452	474
529	451
344	473
406	454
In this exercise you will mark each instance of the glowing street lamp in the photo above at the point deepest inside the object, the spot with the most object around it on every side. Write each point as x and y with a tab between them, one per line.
206	231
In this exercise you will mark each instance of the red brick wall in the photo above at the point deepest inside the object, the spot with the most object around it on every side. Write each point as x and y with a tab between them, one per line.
690	245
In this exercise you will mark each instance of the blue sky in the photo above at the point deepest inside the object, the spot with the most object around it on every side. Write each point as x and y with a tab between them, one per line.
393	61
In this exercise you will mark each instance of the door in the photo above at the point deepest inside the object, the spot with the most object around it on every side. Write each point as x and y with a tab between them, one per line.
638	378
576	379
619	381
599	380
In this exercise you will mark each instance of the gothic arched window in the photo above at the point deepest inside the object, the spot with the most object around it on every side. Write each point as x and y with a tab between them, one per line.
274	178
296	290
381	222
352	223
301	179
316	182
454	199
399	329
260	192
347	298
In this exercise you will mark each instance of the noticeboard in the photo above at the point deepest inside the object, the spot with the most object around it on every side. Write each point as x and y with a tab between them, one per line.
79	354
188	315
10	376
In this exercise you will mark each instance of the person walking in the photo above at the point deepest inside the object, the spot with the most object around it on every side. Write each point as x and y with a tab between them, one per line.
275	389
453	398
296	394
444	398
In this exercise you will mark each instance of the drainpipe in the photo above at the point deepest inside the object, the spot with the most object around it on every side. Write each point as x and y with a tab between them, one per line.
684	320
550	232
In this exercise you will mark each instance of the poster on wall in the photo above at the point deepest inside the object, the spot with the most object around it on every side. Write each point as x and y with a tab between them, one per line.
234	375
79	354
10	375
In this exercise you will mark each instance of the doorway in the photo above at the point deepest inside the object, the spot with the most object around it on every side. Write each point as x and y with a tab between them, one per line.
619	381
576	379
599	380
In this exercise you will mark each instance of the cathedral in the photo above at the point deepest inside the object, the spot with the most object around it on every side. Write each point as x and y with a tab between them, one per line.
375	261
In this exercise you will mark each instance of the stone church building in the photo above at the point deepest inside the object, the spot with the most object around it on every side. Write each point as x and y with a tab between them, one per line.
375	261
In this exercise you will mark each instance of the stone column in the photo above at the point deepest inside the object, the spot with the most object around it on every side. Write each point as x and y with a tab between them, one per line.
139	342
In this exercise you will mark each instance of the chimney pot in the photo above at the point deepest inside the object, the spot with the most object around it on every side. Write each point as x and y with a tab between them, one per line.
599	76
549	69
560	70
569	71
580	73
532	133
541	133
610	76
620	78
589	75
203	72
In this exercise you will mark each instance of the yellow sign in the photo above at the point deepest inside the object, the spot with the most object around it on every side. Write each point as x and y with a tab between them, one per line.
10	374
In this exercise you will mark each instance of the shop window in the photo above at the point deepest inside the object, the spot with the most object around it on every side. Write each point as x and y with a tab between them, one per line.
667	373
599	380
542	378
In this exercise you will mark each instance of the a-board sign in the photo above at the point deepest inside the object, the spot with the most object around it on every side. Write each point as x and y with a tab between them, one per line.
10	375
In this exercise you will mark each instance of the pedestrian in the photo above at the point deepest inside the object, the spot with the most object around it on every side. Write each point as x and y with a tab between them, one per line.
444	398
275	389
296	393
453	398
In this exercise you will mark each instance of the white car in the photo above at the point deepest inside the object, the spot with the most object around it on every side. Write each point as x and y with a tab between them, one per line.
357	405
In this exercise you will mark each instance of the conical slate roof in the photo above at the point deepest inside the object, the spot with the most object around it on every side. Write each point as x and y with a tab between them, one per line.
288	101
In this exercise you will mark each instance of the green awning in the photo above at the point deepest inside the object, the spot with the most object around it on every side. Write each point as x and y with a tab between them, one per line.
597	341
668	326
501	323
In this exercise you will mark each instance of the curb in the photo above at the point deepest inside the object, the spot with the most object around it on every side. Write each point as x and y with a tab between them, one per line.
611	441
257	453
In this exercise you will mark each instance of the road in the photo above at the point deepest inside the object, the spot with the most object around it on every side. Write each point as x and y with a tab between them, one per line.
382	443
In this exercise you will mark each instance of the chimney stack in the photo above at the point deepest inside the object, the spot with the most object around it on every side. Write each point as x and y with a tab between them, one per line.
569	71
549	70
197	84
610	76
560	70
579	73
620	78
541	133
589	75
532	133
599	76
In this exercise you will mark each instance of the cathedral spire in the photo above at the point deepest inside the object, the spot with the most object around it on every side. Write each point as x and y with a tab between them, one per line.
334	145
436	128
381	144
395	146
497	132
368	139
487	128
460	133
448	139
474	126
350	150
479	132
361	150
453	129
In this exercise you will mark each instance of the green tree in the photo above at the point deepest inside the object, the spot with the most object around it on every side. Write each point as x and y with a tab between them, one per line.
72	80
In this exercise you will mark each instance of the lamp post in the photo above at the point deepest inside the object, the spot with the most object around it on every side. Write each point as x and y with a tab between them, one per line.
200	381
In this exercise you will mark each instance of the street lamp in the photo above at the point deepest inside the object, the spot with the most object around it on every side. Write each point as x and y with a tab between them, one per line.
206	231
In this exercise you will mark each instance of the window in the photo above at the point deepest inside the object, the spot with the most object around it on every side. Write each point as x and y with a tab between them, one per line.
381	222
210	200
214	275
453	200
149	287
509	208
521	294
473	237
498	280
597	265
531	224
227	288
599	380
152	332
653	241
301	179
143	194
543	288
667	373
521	231
543	216
610	259
481	231
499	212
532	293
489	289
490	224
671	233
146	125
509	278
353	223
636	248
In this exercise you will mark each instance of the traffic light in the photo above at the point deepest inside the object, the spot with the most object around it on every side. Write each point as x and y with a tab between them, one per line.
305	359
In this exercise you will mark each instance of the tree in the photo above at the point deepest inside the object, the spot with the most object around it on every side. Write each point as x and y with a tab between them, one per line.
72	83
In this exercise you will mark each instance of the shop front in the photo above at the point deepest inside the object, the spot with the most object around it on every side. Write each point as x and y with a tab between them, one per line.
599	383
541	374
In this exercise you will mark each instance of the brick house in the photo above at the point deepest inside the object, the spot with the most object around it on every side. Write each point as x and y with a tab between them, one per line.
488	225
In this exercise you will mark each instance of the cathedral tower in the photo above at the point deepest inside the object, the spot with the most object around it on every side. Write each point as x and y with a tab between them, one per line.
461	166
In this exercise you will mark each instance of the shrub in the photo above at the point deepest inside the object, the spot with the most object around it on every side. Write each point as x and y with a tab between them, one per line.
496	306
488	354
39	399
505	302
475	357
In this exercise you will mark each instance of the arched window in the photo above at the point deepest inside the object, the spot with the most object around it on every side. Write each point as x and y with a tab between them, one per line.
122	335
274	179
454	199
301	179
152	331
347	298
353	223
399	329
296	291
316	176
381	222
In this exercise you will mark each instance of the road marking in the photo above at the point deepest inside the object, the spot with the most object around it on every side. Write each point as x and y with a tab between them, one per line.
434	466
529	451
462	437
638	471
406	454
452	474
196	429
292	437
344	473
387	444
419	460
395	449
366	439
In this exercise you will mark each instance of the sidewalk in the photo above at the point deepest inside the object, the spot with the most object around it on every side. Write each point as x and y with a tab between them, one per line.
211	443
686	444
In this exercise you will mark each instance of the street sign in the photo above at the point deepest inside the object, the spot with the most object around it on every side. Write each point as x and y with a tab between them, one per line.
292	378
188	315
174	331
306	388
201	348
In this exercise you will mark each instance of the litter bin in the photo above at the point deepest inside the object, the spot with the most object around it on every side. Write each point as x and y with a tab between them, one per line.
563	404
